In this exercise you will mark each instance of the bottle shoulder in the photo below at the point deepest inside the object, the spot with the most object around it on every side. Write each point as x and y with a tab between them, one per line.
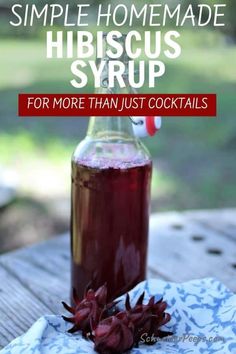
111	150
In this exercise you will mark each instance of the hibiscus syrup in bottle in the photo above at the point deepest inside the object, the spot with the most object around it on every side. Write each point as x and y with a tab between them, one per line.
111	176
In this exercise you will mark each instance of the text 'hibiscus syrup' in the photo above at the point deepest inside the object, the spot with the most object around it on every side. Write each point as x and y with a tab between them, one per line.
111	175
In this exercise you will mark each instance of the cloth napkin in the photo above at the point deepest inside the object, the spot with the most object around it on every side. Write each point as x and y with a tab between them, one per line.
203	321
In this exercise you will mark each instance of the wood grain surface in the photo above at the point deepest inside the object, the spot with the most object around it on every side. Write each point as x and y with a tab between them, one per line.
182	246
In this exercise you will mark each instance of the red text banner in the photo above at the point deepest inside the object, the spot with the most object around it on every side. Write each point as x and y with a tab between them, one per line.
81	105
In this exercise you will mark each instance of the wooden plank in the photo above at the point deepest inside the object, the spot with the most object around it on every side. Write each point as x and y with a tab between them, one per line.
181	249
44	269
223	220
37	278
19	308
47	263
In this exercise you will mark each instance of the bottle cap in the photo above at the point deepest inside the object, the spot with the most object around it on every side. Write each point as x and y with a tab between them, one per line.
146	126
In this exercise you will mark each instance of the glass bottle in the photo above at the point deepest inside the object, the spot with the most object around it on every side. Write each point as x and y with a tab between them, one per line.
111	176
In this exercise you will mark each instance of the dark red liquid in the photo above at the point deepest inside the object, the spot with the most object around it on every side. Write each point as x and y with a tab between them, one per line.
109	225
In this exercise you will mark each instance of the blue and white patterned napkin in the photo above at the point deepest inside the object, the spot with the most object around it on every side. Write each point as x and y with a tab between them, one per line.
203	321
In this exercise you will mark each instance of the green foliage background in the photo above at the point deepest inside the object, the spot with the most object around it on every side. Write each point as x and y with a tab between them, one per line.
194	158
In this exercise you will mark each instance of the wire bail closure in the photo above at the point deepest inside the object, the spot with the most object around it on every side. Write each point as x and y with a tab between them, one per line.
142	125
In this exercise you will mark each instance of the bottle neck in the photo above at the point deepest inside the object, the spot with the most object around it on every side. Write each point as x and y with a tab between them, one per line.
112	127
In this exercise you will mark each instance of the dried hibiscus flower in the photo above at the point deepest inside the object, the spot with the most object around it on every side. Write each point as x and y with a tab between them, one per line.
147	319
87	311
115	332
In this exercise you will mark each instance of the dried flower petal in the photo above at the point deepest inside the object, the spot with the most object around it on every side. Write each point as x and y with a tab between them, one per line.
147	319
89	311
115	332
114	335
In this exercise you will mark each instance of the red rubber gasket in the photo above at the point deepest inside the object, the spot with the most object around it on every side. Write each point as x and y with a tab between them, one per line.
150	124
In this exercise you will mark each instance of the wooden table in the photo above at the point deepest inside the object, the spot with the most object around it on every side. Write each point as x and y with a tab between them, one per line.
183	246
